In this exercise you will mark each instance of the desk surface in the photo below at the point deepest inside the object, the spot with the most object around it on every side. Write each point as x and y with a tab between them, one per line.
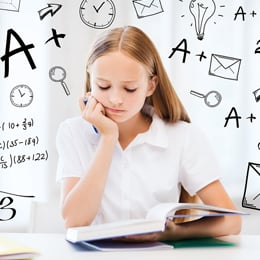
54	246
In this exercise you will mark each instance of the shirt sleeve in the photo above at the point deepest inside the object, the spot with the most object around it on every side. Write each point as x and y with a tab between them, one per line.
199	166
69	164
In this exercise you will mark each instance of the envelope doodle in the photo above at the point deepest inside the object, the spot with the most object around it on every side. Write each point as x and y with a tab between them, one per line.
251	197
146	8
224	67
10	5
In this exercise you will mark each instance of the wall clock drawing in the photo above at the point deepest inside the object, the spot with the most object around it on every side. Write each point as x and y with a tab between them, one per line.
21	96
98	14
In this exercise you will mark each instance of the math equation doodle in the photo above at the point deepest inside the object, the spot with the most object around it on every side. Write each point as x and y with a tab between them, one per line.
25	154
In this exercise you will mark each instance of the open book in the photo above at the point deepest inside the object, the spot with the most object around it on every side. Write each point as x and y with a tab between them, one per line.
153	222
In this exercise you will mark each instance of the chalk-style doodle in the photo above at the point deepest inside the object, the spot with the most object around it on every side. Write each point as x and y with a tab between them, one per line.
257	94
144	8
51	9
21	96
202	11
7	212
10	5
9	53
224	67
56	37
98	14
58	74
184	50
251	196
211	99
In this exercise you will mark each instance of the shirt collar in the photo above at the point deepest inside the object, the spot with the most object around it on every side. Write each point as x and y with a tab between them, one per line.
156	134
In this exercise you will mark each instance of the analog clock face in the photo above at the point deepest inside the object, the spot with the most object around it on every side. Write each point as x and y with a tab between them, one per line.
21	96
98	14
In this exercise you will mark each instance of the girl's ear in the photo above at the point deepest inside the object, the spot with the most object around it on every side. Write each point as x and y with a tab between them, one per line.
153	82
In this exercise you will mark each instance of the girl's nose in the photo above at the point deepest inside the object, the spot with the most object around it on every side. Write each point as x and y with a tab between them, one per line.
116	98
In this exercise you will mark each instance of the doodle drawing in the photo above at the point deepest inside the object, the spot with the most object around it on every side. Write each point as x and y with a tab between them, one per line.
97	14
251	197
58	74
10	5
202	11
224	67
146	8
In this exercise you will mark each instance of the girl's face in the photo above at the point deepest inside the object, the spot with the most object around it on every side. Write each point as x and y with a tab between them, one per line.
121	85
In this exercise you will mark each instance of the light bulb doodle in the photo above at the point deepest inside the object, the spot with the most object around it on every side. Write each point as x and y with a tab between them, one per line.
202	11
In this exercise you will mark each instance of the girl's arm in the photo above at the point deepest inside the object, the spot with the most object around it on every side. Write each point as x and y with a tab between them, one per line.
81	197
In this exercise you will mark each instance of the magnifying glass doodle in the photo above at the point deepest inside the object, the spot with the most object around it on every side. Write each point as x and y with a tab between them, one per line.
211	99
58	74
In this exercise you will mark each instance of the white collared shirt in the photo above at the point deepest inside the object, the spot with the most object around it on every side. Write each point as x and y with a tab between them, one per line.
150	170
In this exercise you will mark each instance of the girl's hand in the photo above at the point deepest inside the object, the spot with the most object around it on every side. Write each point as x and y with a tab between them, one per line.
94	113
168	234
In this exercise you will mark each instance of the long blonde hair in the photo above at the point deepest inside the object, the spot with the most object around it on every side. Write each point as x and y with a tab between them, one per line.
136	44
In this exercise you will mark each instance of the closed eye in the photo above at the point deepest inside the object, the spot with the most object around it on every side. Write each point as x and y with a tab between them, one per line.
130	90
104	88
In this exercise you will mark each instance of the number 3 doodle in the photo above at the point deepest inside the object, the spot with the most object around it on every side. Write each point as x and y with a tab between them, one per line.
4	203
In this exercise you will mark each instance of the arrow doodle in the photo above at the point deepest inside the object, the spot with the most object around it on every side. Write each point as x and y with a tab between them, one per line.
51	9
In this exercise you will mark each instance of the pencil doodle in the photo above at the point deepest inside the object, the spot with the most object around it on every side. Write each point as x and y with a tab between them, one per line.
224	67
56	37
97	14
144	8
211	99
7	212
201	12
23	48
51	9
257	94
10	5
58	74
21	96
251	196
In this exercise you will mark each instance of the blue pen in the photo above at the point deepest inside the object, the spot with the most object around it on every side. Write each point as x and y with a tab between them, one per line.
85	100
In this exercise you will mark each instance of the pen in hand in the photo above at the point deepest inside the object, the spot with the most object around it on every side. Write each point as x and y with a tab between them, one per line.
85	100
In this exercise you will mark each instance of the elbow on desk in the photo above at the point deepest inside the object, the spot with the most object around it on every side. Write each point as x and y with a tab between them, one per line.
233	225
74	220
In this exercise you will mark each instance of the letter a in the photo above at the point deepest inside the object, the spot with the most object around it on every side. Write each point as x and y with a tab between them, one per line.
240	11
185	51
233	117
24	48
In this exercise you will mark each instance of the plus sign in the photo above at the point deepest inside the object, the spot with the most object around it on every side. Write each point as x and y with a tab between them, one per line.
201	55
253	13
56	37
251	117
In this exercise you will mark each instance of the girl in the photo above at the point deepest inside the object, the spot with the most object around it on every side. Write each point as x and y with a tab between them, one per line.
146	150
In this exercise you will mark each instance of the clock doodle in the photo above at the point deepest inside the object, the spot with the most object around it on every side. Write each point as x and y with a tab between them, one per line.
21	96
98	14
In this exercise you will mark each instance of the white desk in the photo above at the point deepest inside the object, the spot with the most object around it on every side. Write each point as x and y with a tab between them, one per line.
54	246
